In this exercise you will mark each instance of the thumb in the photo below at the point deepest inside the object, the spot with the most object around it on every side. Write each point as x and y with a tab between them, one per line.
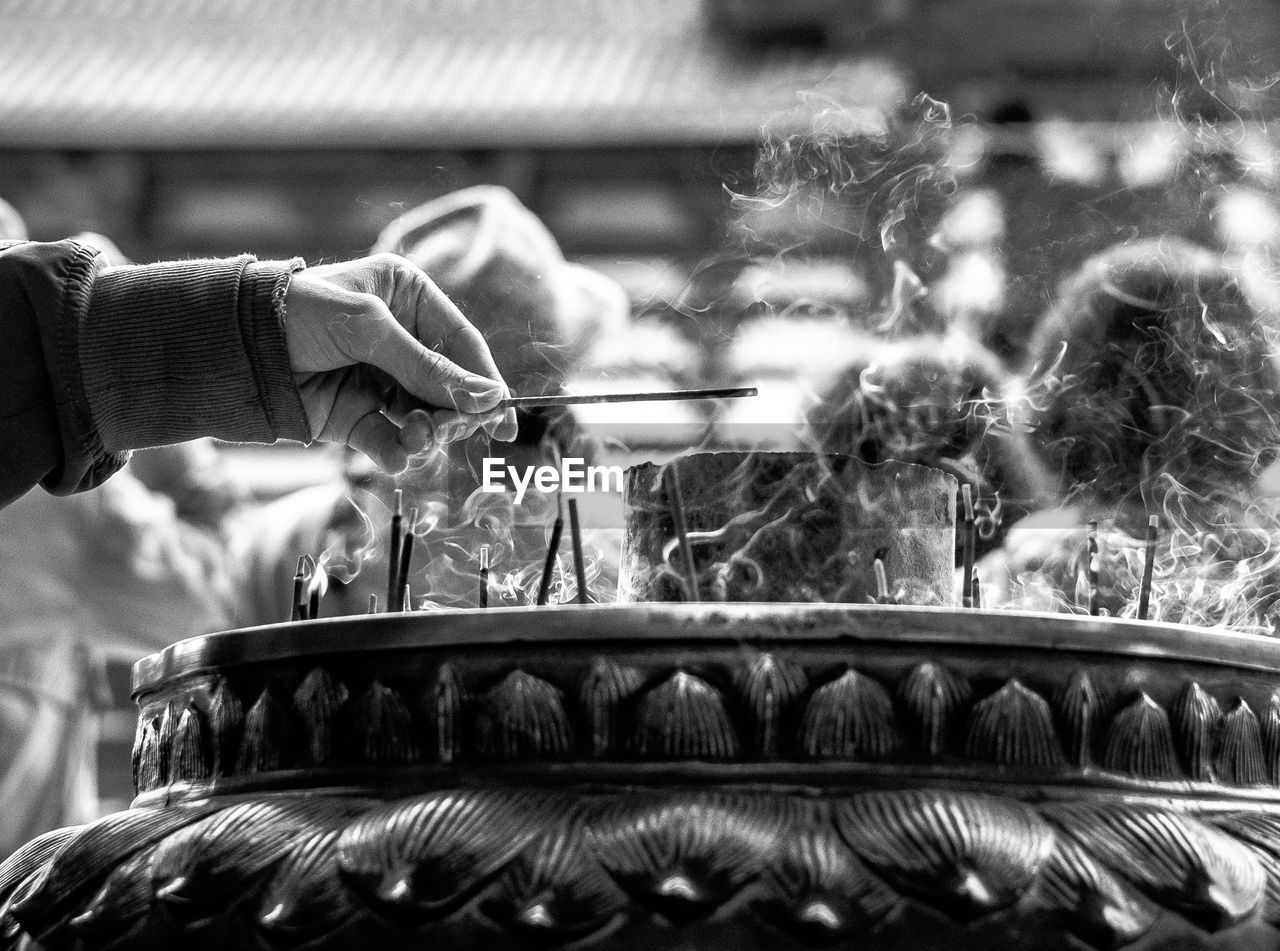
430	376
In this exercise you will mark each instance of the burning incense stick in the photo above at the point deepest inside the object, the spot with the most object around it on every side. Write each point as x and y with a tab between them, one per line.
309	604
1148	568
579	399
553	549
579	560
970	543
406	599
1094	567
484	576
393	551
975	596
373	604
406	551
313	607
676	497
299	593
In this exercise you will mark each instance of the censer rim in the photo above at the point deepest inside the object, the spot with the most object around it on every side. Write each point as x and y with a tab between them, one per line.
739	623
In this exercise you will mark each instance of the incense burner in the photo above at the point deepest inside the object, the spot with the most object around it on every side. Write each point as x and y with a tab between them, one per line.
748	776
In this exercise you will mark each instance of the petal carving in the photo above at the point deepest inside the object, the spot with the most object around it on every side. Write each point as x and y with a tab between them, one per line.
768	689
382	728
849	718
1237	753
1181	861
1013	727
684	716
602	693
526	719
934	698
1198	716
688	855
262	742
318	706
967	854
1081	709
1139	742
418	859
817	890
226	721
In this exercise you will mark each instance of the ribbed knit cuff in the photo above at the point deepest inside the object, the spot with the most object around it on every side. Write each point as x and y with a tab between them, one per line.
174	351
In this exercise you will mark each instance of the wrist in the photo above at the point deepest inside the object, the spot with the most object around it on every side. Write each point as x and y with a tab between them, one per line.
173	351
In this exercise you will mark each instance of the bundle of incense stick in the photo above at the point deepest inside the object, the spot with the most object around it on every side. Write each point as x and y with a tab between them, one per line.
658	396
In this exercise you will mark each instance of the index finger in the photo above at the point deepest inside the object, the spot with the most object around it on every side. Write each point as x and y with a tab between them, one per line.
428	313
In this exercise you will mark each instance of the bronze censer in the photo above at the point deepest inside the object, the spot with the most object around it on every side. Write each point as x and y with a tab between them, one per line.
678	775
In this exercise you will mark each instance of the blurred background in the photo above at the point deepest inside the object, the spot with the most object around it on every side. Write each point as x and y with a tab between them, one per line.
691	151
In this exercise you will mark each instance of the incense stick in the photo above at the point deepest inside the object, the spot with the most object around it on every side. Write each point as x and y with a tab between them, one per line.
1094	567
580	399
393	552
975	596
1148	568
406	551
970	543
406	599
484	576
579	560
373	604
882	581
553	548
676	501
299	599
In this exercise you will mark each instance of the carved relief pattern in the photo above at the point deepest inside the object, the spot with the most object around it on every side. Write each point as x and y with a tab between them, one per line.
767	709
468	865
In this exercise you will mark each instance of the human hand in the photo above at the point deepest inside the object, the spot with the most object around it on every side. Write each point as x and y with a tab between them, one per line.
386	363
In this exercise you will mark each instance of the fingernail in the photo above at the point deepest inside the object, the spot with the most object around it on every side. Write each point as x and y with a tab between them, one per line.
484	389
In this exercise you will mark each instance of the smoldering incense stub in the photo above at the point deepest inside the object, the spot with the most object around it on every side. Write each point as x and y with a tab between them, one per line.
484	576
661	396
299	591
1094	566
970	543
393	551
553	549
406	551
579	560
1148	568
882	581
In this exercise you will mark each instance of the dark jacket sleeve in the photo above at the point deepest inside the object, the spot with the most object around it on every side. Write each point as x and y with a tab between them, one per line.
100	361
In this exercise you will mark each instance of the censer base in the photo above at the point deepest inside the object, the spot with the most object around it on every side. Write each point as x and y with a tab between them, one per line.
707	776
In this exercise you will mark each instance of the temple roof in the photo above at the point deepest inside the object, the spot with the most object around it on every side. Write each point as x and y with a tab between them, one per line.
397	73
